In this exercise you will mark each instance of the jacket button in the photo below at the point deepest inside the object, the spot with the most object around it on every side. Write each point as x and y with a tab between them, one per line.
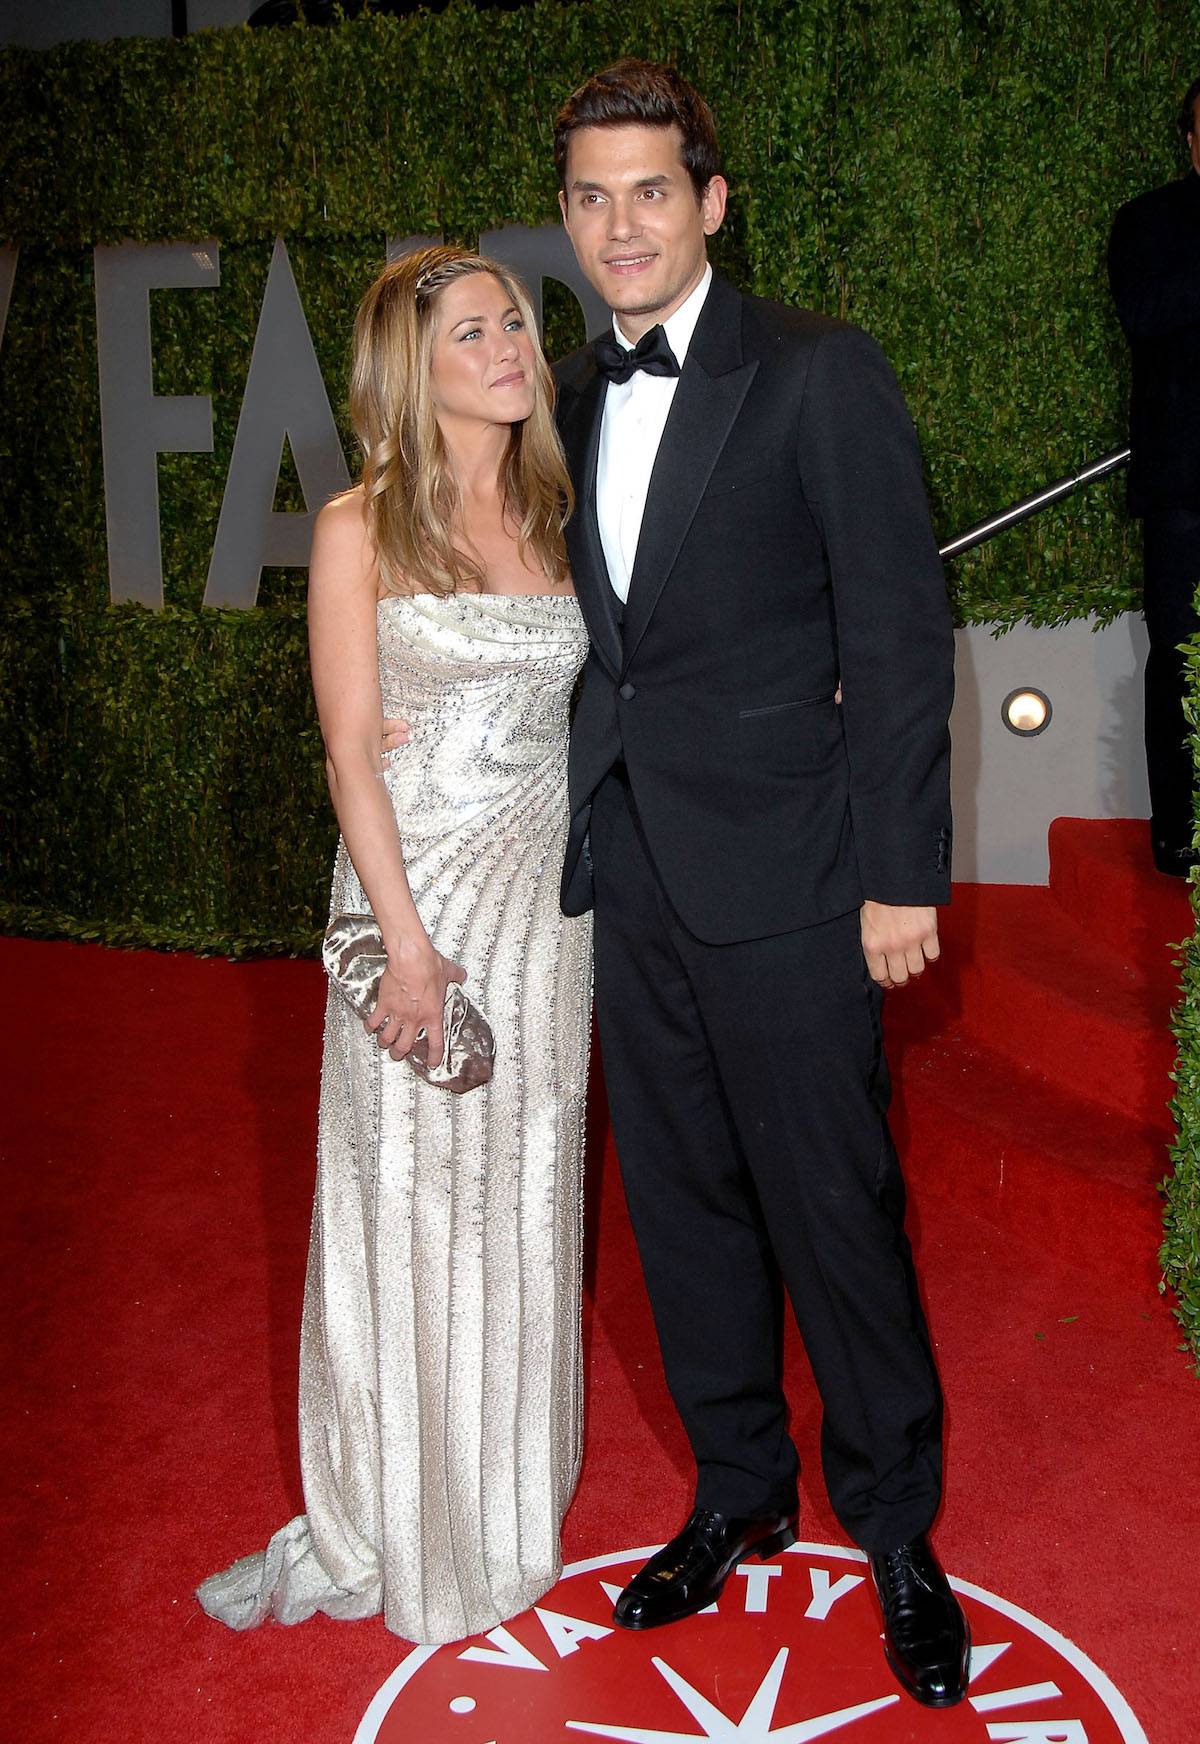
627	692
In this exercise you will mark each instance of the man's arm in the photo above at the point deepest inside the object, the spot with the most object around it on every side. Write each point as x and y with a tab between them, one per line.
860	469
1151	302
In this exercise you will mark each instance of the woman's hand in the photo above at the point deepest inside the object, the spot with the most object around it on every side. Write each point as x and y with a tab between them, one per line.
395	735
412	995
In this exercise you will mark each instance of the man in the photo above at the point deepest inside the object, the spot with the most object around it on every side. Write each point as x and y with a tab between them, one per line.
760	815
1154	271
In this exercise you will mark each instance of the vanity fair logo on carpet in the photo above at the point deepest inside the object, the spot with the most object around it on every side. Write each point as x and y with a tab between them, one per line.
790	1653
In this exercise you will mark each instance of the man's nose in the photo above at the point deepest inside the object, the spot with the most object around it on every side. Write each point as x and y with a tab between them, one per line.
623	221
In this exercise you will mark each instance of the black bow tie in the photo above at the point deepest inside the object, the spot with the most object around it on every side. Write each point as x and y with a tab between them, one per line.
651	353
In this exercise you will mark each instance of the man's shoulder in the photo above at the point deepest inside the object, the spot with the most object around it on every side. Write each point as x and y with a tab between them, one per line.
785	323
1158	206
783	332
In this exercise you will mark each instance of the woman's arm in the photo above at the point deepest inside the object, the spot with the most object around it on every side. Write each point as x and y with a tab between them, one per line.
342	597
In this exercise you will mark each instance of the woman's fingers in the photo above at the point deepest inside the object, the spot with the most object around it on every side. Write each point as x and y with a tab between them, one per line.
419	1017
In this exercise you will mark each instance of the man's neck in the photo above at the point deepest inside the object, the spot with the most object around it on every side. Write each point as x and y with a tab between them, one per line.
634	326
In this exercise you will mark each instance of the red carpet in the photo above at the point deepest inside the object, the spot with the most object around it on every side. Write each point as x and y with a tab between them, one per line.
158	1140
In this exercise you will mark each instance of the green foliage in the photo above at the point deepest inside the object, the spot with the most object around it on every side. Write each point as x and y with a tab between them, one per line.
162	779
1180	1252
942	171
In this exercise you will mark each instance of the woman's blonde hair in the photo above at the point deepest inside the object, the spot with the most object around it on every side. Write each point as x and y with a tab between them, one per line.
412	497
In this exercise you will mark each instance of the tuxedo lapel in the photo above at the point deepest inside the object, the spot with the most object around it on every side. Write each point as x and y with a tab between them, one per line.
580	429
708	399
699	423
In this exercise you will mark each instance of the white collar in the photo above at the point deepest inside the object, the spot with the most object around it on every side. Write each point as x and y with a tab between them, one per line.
680	326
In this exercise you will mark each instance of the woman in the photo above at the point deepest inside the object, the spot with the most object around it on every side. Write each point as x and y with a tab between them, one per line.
440	1364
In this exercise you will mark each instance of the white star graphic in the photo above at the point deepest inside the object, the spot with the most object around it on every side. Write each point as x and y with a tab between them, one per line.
756	1725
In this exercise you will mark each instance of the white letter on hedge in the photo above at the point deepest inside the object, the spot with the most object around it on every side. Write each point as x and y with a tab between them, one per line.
136	424
397	246
285	396
546	253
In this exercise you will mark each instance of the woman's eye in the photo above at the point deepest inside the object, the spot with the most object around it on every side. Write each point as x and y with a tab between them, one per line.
471	333
515	326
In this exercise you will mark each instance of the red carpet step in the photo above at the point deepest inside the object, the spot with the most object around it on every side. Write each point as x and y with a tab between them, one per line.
1042	1043
1061	1174
1102	877
1048	981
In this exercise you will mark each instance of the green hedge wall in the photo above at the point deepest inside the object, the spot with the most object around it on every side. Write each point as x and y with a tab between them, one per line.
943	171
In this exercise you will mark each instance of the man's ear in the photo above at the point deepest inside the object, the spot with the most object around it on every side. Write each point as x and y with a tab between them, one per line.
712	205
562	205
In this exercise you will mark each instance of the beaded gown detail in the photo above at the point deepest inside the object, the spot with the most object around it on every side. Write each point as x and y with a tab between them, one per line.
440	1381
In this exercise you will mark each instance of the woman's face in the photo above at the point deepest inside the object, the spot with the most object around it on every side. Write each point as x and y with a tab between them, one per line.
481	367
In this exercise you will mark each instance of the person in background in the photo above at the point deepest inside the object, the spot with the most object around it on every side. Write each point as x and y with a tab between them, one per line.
1154	271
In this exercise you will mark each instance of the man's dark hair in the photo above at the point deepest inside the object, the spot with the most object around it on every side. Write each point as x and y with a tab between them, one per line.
633	93
1187	109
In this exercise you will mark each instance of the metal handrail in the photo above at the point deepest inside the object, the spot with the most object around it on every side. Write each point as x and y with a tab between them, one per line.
1040	500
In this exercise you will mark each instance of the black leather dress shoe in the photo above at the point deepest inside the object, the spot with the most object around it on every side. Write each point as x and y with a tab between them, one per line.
1176	859
688	1573
925	1635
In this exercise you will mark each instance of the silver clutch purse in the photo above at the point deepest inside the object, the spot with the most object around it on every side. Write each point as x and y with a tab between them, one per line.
355	960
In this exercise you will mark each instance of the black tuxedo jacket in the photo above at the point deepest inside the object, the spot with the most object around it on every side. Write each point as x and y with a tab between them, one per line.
1154	271
785	548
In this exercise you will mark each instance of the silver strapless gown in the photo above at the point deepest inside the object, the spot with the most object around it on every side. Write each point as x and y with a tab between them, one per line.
440	1401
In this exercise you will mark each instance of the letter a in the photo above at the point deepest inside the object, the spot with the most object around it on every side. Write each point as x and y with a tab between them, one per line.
567	1632
285	396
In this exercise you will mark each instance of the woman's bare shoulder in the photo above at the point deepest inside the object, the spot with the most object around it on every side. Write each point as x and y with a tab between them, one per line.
341	540
344	516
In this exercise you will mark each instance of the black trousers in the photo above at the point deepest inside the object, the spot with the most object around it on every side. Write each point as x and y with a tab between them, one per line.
748	1092
1171	544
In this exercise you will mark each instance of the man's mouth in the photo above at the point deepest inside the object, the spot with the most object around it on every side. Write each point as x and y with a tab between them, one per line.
630	263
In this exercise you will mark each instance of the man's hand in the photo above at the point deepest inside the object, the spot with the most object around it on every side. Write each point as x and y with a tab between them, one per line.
395	735
898	942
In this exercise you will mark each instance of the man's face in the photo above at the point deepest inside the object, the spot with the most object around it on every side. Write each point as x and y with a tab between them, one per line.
633	218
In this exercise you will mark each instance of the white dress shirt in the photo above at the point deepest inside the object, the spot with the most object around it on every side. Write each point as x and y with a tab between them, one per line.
635	414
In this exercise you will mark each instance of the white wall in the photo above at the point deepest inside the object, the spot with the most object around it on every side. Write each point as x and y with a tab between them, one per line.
1089	762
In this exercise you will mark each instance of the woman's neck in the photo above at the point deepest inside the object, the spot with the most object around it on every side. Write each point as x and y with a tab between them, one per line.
476	453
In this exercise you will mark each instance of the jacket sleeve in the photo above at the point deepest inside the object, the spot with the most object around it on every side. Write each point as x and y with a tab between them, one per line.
1151	303
860	470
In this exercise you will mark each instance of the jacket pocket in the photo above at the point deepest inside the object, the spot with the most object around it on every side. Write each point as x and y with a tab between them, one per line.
778	708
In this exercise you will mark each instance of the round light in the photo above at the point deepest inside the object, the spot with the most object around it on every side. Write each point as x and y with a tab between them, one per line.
1026	712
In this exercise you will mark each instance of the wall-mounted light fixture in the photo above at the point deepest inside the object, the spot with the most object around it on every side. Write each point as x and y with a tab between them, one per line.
1026	712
